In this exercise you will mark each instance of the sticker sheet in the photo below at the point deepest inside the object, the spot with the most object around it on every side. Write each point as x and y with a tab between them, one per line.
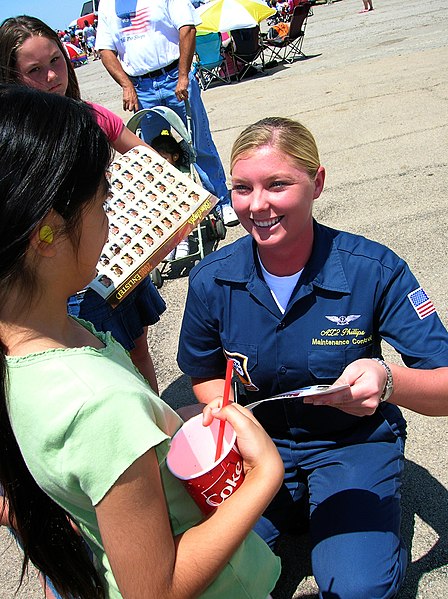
151	208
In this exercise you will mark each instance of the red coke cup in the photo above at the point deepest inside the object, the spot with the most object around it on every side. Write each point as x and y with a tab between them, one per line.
191	459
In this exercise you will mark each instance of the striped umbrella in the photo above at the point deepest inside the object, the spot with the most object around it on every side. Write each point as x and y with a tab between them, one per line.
225	15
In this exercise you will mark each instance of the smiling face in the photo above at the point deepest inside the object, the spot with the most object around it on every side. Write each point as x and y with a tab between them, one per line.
42	65
273	197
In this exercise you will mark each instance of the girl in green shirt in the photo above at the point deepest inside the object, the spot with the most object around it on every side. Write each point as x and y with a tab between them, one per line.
68	452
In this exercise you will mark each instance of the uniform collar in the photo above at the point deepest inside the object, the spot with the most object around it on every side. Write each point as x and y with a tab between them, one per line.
240	265
324	268
242	268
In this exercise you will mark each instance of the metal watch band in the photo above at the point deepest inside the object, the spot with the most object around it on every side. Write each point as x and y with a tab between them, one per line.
389	386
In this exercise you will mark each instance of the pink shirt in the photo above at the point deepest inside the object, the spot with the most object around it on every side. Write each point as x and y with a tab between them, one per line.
109	122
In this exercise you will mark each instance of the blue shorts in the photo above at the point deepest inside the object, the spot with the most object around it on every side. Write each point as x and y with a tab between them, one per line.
142	307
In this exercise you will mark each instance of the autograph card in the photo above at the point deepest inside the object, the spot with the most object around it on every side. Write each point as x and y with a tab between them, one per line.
303	392
312	390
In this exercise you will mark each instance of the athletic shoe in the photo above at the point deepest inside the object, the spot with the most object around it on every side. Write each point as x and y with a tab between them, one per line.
228	215
182	249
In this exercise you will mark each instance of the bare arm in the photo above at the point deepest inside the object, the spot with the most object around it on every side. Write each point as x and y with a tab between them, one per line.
127	140
423	391
187	44
206	390
146	560
115	70
4	511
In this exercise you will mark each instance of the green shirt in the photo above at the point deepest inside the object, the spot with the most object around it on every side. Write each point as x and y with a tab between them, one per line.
81	417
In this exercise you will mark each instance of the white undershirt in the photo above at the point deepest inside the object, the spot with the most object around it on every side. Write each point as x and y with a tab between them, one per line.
281	287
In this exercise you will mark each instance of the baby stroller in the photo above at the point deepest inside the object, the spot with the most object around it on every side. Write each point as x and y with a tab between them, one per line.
212	228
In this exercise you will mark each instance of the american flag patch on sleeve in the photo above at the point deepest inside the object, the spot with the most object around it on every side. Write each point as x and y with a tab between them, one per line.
421	303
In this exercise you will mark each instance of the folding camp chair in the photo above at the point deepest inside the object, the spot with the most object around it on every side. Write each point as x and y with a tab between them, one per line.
210	64
288	48
246	49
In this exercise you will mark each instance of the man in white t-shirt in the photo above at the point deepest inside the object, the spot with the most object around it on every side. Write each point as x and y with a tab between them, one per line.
147	46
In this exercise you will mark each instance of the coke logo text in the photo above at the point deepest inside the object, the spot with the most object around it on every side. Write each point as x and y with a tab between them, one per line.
215	499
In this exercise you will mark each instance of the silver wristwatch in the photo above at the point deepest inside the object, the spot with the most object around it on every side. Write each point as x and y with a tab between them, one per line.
389	386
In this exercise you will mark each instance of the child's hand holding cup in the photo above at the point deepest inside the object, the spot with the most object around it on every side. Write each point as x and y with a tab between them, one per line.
192	454
191	459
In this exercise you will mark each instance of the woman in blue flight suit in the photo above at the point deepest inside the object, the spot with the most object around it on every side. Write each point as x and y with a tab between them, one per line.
296	303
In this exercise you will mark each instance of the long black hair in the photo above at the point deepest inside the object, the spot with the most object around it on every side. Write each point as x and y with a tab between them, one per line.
53	155
14	32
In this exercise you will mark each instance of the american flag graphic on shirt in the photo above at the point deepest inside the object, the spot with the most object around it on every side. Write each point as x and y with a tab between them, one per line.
136	22
421	303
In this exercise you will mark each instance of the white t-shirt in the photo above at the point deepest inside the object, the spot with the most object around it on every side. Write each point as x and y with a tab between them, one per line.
144	33
281	287
89	33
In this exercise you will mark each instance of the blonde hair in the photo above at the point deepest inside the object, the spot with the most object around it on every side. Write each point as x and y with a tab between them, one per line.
286	135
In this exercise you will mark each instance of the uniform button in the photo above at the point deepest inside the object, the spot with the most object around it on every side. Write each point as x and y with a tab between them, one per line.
281	325
282	370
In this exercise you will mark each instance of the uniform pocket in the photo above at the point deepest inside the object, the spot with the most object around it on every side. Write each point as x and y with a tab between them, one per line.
327	364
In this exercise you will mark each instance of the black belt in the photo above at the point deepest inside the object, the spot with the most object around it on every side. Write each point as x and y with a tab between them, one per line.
158	72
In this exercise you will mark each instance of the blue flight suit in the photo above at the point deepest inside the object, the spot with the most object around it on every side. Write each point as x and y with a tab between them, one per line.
347	470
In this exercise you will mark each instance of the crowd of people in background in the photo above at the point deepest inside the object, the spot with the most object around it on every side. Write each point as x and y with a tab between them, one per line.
83	38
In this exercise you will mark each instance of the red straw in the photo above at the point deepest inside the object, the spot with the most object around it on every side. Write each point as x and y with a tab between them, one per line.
225	401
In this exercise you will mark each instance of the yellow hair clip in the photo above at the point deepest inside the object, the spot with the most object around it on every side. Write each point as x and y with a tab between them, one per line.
46	234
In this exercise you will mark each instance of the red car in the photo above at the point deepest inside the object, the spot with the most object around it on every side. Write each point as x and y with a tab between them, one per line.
89	13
